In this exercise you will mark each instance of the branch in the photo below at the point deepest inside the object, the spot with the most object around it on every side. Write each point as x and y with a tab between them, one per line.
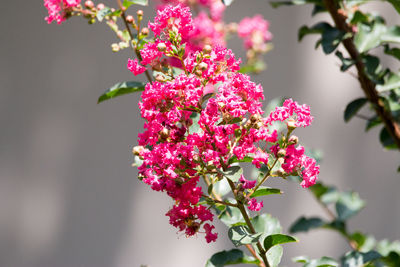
367	85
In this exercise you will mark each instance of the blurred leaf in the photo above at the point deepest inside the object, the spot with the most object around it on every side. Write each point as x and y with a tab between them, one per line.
240	235
102	13
376	120
392	260
267	224
222	187
392	81
346	62
392	35
318	9
318	28
122	89
128	3
331	38
365	243
277	239
348	205
353	107
264	191
358	17
358	259
368	37
195	127
235	159
386	139
395	52
373	69
233	173
233	256
384	247
304	224
230	216
396	4
322	262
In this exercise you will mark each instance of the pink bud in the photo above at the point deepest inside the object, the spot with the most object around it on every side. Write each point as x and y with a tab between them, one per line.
89	4
100	6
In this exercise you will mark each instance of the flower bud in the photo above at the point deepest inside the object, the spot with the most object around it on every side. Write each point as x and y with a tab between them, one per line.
140	13
130	19
164	134
281	153
161	47
207	49
255	118
280	172
100	6
198	73
115	47
145	31
203	66
137	150
291	124
293	140
89	4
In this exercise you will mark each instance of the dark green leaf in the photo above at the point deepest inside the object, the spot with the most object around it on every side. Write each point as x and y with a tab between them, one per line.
264	191
122	89
358	17
277	239
386	139
233	256
395	52
233	173
375	121
319	189
346	62
357	259
364	243
353	107
304	224
102	13
392	260
240	235
128	3
331	38
318	28
348	205
318	9
384	247
373	69
235	159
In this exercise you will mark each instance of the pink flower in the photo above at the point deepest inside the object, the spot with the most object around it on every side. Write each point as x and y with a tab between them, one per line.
254	206
210	237
57	8
134	67
255	32
247	184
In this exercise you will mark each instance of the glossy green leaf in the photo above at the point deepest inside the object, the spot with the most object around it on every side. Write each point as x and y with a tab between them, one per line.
386	139
274	255
368	37
264	191
233	173
240	235
353	107
304	224
357	259
373	68
331	38
267	224
233	256
392	81
128	3
346	62
122	89
277	239
348	205
101	14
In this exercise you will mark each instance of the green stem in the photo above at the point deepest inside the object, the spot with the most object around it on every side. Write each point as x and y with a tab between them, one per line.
266	176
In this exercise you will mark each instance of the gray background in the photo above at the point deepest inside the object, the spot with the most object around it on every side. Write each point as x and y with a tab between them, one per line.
68	196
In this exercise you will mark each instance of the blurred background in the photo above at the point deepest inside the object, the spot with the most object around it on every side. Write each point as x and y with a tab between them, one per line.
68	194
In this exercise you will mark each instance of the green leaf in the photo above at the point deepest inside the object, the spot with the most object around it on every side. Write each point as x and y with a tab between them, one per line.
227	2
386	139
195	127
101	14
331	38
233	173
392	35
222	187
128	3
392	260
240	235
392	81
357	259
267	224
122	89
348	205
384	247
375	121
358	17
346	62
319	190
365	243
233	256
230	216
274	255
368	37
264	191
322	262
396	4
235	159
304	224
395	52
277	239
318	28
353	107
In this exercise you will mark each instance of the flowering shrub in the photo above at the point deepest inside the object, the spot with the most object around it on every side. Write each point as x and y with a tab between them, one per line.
204	120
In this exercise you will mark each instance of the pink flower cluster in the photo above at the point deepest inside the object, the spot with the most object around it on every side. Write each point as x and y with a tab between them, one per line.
56	9
135	67
255	32
202	119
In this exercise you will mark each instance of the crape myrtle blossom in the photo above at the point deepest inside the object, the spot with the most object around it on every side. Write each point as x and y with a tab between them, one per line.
57	9
254	32
199	120
135	67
